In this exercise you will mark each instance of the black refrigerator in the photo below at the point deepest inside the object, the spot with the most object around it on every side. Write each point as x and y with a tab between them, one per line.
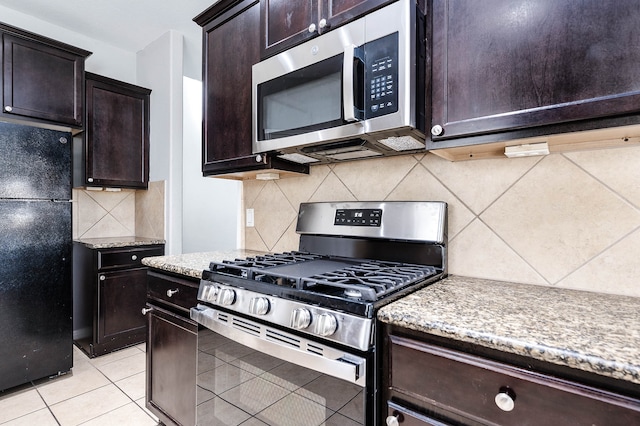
35	254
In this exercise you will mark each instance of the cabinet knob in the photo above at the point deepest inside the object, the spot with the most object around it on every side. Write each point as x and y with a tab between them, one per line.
437	130
146	310
171	292
312	28
505	399
102	278
323	23
89	179
134	257
394	420
8	108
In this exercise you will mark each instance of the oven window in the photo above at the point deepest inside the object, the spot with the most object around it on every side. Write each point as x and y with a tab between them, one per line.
304	100
240	386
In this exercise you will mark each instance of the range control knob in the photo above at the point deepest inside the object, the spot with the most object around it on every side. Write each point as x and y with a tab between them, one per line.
226	297
300	318
209	293
326	325
259	306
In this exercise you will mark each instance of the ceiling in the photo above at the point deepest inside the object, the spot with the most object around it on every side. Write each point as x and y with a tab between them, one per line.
128	24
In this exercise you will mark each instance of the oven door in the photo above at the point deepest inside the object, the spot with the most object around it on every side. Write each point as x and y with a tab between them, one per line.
248	370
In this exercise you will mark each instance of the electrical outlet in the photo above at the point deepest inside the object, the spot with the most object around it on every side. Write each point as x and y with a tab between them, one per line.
249	218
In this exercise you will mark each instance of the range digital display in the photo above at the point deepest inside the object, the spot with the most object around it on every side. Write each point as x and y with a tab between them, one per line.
358	217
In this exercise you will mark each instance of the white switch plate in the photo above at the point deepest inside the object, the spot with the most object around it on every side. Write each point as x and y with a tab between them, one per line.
249	218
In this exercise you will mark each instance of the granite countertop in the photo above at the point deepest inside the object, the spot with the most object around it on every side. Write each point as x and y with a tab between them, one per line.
192	264
115	242
594	332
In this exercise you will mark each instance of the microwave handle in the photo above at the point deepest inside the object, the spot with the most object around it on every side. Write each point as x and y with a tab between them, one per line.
347	83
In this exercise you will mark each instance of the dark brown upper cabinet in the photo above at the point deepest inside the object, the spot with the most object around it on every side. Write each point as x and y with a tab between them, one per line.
285	23
42	79
505	70
115	148
231	46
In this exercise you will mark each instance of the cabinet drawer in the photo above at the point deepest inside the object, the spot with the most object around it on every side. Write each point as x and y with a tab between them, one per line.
467	386
177	292
126	257
406	417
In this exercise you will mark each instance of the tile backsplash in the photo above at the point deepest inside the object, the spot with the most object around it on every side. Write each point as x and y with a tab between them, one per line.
569	220
101	214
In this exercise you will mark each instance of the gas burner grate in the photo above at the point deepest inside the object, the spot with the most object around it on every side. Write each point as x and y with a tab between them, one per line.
371	280
244	268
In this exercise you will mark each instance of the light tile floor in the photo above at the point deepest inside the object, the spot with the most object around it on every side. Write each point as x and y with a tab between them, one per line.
107	390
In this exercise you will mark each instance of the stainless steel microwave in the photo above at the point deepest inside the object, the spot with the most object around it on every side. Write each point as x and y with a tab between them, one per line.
356	91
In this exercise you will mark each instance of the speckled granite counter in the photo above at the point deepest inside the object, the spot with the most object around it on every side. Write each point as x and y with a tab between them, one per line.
115	242
193	264
594	332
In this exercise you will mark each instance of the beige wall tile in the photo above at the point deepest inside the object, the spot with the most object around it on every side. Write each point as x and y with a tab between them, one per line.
149	211
557	217
479	183
273	214
363	178
615	270
570	220
421	185
478	252
619	169
100	214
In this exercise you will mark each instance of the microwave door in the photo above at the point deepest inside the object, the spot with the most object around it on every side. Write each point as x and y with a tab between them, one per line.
312	104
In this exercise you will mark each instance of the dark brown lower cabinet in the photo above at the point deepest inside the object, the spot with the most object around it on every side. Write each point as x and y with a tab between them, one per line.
172	346
109	292
426	384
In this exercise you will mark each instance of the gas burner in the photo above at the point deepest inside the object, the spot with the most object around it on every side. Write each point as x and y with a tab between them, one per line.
352	293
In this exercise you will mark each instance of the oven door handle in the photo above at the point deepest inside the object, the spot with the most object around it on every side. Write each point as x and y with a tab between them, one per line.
283	345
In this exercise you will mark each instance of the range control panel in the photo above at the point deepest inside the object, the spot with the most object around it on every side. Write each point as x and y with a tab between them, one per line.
358	217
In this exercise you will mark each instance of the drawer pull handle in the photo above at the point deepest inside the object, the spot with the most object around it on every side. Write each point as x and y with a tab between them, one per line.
171	292
394	420
146	310
505	399
134	257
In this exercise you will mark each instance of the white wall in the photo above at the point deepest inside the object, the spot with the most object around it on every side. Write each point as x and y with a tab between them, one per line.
160	69
211	207
106	59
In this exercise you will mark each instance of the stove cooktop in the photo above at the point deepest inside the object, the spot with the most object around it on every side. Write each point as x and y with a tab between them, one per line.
361	280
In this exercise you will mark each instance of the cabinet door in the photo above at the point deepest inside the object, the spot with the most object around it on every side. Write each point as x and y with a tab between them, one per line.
122	295
117	134
41	81
338	12
231	47
285	23
172	347
500	65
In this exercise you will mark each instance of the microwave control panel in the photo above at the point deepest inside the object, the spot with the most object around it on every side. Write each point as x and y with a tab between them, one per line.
381	76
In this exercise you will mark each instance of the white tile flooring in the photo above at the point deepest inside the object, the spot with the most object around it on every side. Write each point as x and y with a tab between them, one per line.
107	390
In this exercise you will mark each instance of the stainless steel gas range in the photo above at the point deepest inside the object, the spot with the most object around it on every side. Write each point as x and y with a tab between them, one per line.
311	312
